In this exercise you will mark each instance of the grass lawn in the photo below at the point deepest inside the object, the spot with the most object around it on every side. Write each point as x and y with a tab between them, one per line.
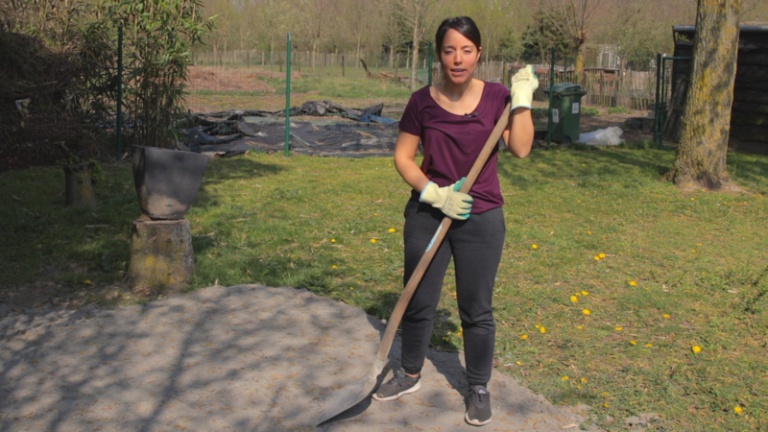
616	290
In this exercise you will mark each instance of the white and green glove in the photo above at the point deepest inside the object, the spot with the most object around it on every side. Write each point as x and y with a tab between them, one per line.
454	204
524	83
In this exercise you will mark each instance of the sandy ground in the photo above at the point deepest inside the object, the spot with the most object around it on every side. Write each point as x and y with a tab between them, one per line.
242	358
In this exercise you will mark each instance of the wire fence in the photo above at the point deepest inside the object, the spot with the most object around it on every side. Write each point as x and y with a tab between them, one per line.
604	86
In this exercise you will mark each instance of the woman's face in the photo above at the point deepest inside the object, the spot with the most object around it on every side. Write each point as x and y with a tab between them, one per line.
458	57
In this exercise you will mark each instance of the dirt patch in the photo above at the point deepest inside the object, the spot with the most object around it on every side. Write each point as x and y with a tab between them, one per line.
221	79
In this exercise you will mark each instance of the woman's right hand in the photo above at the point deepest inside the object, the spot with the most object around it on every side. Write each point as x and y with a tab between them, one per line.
454	204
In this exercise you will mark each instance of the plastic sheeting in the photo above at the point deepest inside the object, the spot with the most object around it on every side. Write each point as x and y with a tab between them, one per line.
610	136
357	133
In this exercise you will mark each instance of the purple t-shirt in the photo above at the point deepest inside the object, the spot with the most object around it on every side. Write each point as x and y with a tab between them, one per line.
452	142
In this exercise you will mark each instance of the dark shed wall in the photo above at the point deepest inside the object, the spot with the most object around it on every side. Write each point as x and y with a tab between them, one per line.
749	115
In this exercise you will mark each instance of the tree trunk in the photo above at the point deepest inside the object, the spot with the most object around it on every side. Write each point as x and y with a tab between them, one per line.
162	258
79	185
701	155
415	52
579	67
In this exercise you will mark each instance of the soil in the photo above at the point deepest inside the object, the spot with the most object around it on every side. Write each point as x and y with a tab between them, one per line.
238	358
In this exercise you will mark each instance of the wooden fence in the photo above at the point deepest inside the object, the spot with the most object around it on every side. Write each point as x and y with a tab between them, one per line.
635	90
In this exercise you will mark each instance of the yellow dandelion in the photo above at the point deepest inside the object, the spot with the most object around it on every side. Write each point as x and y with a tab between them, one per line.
606	405
565	378
392	230
543	329
574	299
334	266
631	283
738	410
633	342
519	363
597	257
619	328
538	326
460	333
579	327
87	282
333	240
696	349
374	240
534	246
667	316
649	345
601	255
589	232
584	292
523	337
586	311
584	380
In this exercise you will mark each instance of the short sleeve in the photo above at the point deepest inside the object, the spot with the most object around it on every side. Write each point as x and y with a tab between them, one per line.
411	120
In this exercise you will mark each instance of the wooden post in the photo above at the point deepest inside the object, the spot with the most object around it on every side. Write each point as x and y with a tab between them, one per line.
162	258
79	185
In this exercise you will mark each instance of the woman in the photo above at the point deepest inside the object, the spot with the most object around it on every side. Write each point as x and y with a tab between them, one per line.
453	119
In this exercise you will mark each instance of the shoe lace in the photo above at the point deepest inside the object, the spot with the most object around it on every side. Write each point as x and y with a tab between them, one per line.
479	395
401	378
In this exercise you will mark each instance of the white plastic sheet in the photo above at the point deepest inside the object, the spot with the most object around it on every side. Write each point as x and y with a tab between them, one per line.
608	136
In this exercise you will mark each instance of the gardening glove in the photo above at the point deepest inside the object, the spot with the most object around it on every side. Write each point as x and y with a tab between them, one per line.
455	204
524	83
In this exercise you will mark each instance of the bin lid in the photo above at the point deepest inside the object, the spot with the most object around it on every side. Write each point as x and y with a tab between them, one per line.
567	89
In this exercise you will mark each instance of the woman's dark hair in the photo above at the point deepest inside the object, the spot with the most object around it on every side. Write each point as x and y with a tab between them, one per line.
464	25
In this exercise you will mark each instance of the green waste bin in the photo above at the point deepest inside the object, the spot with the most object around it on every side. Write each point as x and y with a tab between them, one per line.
566	112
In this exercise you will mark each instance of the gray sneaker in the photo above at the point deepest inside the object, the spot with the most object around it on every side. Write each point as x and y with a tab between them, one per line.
478	406
400	384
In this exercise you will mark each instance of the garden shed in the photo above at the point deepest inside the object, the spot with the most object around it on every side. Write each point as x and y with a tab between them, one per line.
749	114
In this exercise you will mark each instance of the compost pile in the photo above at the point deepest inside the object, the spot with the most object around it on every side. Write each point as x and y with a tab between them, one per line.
344	132
36	126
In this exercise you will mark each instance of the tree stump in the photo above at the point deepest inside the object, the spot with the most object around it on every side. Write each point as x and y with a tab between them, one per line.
162	258
79	185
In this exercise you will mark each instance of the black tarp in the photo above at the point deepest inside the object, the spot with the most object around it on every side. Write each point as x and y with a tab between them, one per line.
346	132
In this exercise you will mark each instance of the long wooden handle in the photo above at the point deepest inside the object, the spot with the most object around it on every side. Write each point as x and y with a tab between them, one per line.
413	282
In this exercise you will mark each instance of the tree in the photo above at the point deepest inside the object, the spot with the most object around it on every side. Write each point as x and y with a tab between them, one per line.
573	21
158	39
315	23
701	156
538	39
416	14
393	36
361	19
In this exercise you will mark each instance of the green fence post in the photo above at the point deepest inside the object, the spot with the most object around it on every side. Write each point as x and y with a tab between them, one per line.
657	106
119	120
288	97
551	85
